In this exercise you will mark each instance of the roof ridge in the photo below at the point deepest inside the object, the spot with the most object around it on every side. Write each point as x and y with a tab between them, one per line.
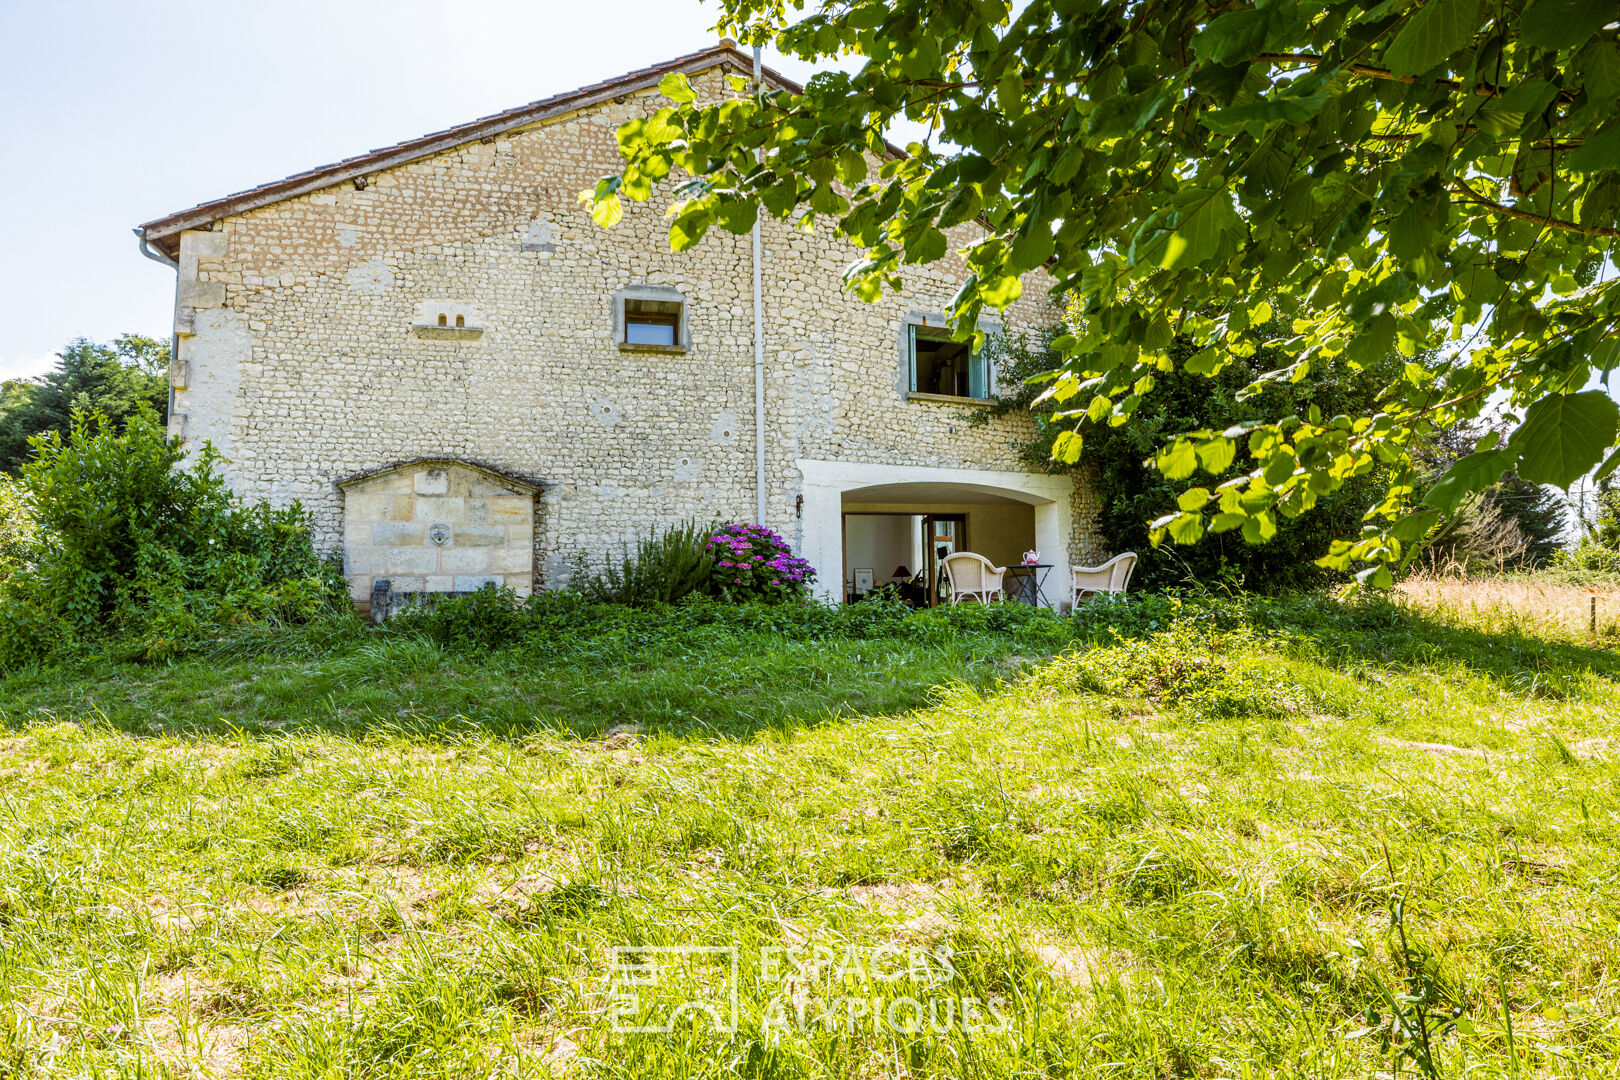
164	232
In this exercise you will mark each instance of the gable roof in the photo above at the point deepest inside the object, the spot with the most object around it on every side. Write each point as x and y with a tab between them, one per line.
164	232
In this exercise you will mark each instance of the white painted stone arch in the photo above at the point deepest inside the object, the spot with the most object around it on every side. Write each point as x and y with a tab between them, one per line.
825	483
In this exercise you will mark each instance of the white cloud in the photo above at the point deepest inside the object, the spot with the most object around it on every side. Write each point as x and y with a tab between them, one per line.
25	367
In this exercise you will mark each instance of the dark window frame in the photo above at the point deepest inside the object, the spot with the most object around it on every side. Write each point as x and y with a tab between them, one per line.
976	371
662	313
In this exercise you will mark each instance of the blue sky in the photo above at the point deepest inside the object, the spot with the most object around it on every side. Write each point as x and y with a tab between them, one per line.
112	114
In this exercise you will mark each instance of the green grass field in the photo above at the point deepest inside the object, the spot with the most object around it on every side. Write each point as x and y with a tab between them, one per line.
1229	840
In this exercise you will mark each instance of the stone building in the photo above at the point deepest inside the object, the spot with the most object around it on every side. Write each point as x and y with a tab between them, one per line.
464	379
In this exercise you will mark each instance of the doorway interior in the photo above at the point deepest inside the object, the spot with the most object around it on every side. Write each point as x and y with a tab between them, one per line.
903	550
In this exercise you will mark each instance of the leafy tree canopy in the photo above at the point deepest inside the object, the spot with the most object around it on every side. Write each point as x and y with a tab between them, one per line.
115	380
1118	461
1604	524
1599	546
1512	524
1433	176
17	532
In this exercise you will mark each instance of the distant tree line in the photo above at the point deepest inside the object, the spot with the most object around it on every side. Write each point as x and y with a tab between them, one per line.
115	380
1511	525
1599	545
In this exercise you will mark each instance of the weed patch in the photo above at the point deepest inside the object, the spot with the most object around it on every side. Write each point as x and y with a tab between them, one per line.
1185	669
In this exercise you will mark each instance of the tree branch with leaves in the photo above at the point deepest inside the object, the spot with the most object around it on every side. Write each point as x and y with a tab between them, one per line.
1437	177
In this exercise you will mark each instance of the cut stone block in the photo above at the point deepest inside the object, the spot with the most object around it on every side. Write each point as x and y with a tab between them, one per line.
410	561
478	536
472	583
443	508
463	560
365	561
433	482
398	533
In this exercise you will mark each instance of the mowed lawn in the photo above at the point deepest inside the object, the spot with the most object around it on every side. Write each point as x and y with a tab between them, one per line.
1286	839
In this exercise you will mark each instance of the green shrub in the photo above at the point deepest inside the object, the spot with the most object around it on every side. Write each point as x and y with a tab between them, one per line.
147	556
1117	461
1182	667
486	619
1598	550
18	534
736	562
556	623
1589	555
664	567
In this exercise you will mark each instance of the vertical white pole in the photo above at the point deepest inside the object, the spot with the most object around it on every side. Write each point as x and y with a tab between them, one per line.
824	540
759	351
1052	526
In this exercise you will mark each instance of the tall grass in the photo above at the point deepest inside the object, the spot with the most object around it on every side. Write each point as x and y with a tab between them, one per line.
1172	838
1560	603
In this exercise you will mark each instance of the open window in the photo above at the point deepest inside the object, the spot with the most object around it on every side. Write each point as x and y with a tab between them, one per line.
944	367
652	322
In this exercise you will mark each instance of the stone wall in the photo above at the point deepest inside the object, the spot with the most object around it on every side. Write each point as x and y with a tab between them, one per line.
311	348
437	526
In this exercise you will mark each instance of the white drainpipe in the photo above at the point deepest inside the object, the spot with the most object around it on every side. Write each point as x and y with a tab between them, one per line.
759	352
174	336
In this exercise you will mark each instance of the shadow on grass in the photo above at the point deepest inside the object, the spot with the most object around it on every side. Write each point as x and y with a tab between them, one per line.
740	688
1382	634
720	673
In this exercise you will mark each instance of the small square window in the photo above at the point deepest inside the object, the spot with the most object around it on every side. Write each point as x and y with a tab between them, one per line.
652	322
946	367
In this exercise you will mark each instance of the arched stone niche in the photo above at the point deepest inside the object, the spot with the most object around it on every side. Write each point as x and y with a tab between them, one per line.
436	526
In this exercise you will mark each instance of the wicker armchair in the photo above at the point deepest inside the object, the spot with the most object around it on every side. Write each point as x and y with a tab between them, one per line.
1111	577
973	576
